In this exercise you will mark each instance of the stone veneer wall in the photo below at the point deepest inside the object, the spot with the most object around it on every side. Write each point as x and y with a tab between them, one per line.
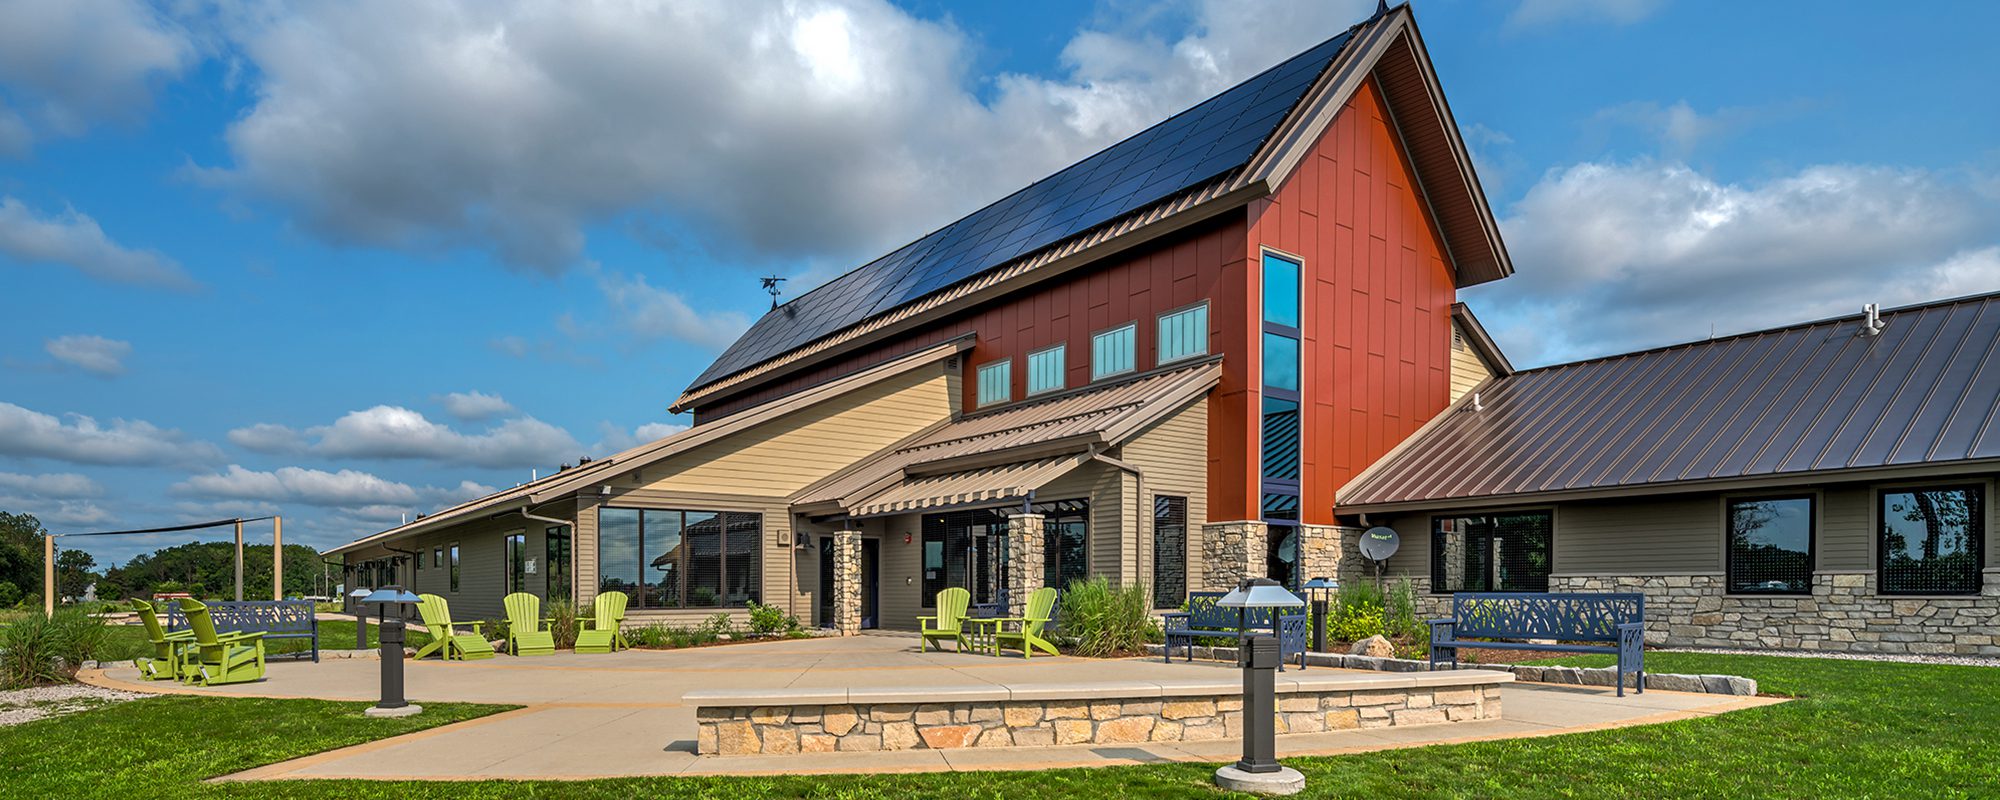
744	730
847	582
1843	614
1231	551
1025	545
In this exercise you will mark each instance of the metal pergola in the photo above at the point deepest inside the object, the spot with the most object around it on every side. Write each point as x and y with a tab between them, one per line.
277	553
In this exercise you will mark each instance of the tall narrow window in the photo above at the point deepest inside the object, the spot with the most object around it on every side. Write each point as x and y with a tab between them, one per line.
1280	429
1111	351
618	552
1184	334
1065	541
741	539
704	567
1169	551
556	569
1492	552
1931	540
517	562
1771	545
664	555
996	383
454	566
1046	368
437	557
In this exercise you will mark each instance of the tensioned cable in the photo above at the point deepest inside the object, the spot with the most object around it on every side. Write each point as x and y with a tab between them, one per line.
194	526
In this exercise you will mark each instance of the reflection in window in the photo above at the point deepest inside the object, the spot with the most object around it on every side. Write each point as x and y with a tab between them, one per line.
1046	368
1184	334
1931	540
1492	552
517	562
673	558
1771	546
1111	351
1281	291
1169	551
1281	362
1065	528
1281	440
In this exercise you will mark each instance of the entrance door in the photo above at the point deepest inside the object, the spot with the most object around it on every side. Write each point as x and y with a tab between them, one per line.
826	583
871	554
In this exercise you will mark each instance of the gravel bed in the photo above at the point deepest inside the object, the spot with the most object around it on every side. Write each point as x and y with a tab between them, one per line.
28	705
1968	661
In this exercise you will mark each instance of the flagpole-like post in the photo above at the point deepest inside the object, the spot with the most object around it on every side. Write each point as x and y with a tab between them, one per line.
277	558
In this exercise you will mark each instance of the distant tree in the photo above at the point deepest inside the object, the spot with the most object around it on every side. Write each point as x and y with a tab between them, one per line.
208	570
74	572
21	551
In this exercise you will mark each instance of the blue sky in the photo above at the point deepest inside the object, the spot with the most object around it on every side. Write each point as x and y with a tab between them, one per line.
350	261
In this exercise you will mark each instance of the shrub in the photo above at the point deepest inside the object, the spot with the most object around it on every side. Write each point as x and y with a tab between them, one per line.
1357	614
771	619
38	649
563	623
10	595
651	636
1105	622
717	626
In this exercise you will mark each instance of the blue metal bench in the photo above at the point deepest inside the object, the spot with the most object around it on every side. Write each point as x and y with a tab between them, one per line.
278	619
1204	618
1616	620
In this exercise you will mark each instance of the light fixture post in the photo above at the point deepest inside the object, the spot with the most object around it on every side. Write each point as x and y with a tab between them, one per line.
392	703
1258	655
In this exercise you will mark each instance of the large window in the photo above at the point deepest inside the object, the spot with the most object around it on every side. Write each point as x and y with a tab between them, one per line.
1771	545
1169	551
675	558
1492	552
517	562
1931	540
1065	534
996	383
556	568
1184	334
968	549
1280	431
1046	368
1111	351
454	565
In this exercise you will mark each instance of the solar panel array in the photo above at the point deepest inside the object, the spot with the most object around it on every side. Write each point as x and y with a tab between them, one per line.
1187	150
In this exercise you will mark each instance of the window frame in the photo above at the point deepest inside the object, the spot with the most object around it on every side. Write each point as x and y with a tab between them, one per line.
1062	369
1183	588
1132	354
979	383
453	548
514	554
1983	519
1160	357
1430	523
1814	504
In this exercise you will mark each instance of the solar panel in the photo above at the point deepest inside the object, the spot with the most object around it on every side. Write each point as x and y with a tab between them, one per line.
1213	137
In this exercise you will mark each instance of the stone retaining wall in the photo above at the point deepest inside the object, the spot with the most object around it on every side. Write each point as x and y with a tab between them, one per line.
1574	676
753	724
1843	614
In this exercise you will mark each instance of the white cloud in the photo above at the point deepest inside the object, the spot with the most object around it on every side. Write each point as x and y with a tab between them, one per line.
1680	128
265	437
353	490
94	354
1540	13
660	314
79	439
511	126
60	485
67	65
613	439
475	406
72	239
55	499
1615	256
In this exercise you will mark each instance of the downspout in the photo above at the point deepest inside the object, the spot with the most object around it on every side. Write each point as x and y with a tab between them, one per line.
1139	509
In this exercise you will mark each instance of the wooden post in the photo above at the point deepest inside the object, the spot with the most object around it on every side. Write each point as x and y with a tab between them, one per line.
277	558
49	574
239	560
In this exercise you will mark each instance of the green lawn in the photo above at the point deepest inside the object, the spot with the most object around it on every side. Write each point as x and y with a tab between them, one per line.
1858	729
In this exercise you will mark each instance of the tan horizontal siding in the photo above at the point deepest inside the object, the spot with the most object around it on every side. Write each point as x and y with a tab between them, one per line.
1467	368
1846	542
1653	537
1174	456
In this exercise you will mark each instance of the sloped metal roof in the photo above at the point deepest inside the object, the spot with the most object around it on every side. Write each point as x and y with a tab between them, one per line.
1003	482
1804	399
1184	152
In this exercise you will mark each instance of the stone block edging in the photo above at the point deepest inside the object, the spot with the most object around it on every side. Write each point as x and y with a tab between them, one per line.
787	721
1573	676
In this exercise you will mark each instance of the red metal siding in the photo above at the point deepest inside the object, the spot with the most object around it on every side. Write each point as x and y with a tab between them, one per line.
1376	304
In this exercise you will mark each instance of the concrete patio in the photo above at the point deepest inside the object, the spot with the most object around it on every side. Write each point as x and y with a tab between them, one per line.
588	716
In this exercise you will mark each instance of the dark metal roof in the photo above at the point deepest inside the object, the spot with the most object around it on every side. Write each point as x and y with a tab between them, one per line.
1186	151
1804	399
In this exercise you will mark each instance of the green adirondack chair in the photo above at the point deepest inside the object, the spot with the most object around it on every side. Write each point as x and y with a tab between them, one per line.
949	621
165	662
446	641
210	659
527	634
601	632
1029	636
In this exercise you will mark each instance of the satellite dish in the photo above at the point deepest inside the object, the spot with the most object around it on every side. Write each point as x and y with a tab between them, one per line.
1379	543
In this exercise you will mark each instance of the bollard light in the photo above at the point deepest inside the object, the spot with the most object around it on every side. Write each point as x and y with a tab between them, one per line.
355	600
1259	772
392	704
1321	591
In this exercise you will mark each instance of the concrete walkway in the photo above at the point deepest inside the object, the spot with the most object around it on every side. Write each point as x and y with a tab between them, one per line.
593	716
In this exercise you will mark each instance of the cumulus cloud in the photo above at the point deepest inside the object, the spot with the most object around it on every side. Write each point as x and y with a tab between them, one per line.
56	498
72	239
475	406
462	124
1615	256
1540	13
60	485
345	489
68	65
80	439
614	439
394	432
654	313
94	354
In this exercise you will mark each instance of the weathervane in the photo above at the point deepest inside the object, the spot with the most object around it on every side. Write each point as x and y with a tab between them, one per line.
771	285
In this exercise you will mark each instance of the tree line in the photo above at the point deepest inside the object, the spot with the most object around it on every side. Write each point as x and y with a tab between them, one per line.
202	569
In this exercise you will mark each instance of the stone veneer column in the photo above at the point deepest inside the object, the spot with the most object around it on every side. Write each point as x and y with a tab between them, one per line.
1320	548
1232	551
1025	560
847	582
